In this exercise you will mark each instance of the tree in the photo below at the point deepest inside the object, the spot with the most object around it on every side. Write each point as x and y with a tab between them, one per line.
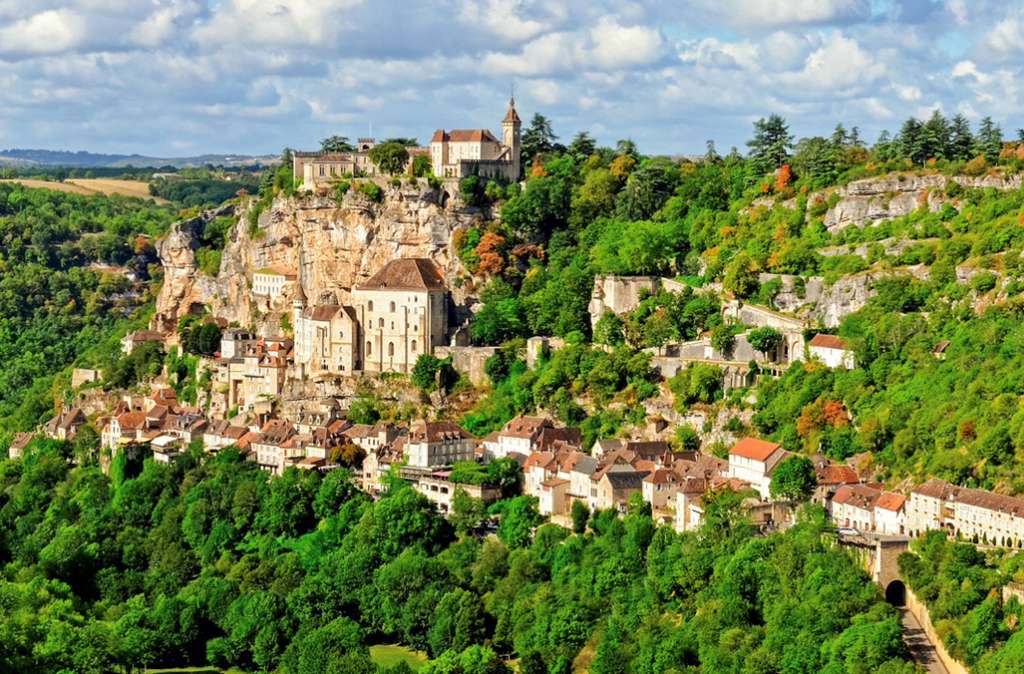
424	372
390	157
336	145
580	514
349	455
989	141
337	488
582	146
766	340
468	513
741	276
421	166
769	147
793	480
608	329
404	141
538	139
518	520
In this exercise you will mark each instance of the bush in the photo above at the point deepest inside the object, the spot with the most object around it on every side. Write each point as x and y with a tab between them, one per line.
372	191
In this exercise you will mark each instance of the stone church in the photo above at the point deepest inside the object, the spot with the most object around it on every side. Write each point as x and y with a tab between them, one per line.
398	314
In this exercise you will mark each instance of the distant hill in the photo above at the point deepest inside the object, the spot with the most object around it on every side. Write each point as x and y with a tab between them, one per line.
18	157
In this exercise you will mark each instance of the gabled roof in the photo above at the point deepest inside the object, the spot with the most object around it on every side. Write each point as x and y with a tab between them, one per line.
434	431
836	475
890	501
406	274
463	136
828	342
324	312
857	496
941	346
626	479
524	427
752	448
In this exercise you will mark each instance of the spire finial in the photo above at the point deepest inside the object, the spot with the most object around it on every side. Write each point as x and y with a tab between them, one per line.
512	95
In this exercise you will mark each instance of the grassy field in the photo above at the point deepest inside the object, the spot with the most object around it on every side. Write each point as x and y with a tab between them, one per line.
391	654
193	670
128	188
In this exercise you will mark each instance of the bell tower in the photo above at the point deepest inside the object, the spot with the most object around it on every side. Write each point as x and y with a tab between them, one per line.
510	138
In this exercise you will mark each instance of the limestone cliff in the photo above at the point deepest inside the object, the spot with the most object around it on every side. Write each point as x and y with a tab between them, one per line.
343	244
868	201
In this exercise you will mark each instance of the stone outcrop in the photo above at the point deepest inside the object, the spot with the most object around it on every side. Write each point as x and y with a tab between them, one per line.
869	201
344	243
184	288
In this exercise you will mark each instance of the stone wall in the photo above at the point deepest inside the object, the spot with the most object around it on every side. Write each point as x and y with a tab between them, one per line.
469	359
920	611
618	294
82	376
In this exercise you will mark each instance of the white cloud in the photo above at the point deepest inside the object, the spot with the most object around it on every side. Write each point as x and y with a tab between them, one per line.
757	15
158	76
49	32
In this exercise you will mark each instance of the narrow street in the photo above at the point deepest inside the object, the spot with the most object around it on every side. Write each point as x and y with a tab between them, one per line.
920	648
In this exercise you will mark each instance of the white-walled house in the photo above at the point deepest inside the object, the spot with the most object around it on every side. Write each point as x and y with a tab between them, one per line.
831	351
853	506
439	443
753	461
890	513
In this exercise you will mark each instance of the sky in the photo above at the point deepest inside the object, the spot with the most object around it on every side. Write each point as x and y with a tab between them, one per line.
184	77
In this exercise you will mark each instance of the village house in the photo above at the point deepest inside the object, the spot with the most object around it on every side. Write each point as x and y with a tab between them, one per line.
553	499
830	477
221	434
275	446
890	513
615	487
18	444
464	152
65	425
257	374
973	514
753	461
659	488
234	342
165	448
135	339
438	443
853	506
832	351
439	489
272	282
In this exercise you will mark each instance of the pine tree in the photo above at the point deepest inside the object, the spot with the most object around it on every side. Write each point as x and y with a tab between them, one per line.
769	148
989	141
961	139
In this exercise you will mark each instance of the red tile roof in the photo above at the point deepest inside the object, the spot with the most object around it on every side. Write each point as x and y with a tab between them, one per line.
836	475
463	136
857	496
891	501
828	342
752	448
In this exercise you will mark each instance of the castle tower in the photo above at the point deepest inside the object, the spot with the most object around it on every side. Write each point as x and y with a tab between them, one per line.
510	137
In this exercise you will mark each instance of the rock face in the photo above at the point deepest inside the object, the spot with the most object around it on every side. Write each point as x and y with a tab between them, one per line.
184	289
343	244
868	201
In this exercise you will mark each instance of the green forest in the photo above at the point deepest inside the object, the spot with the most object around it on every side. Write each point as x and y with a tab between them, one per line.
64	298
210	562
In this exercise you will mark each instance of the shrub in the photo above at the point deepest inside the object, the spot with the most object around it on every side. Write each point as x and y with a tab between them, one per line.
372	191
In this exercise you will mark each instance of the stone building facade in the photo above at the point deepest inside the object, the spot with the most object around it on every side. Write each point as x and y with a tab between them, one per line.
400	313
464	152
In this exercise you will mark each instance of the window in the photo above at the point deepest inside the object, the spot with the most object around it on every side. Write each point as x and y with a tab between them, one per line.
392	307
391	349
392	325
369	349
380	323
369	305
414	345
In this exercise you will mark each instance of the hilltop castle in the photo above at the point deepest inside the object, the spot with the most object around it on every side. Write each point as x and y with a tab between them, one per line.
464	152
453	154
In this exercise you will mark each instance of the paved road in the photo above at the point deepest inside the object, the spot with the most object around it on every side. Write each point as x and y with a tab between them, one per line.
920	648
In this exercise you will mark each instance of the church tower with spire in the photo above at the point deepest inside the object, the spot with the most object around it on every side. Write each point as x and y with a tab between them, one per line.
511	127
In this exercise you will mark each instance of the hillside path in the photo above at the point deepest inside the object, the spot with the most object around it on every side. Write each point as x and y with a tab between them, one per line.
921	649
